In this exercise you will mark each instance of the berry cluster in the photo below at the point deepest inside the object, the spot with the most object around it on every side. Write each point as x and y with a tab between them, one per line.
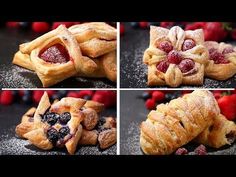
200	150
42	27
7	97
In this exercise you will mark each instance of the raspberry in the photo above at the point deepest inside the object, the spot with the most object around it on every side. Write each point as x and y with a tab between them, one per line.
188	44
12	24
6	97
122	29
100	98
163	66
37	94
143	24
166	46
217	95
158	96
73	94
217	57
174	57
40	27
201	150
186	65
84	93
108	97
167	24
228	50
67	24
150	104
181	151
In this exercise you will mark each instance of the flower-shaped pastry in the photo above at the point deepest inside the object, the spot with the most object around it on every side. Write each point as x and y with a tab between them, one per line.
175	57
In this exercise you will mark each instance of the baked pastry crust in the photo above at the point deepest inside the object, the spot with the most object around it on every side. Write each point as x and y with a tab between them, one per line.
173	76
95	38
175	124
221	71
221	132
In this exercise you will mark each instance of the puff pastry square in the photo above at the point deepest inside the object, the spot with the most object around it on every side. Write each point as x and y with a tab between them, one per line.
175	57
221	64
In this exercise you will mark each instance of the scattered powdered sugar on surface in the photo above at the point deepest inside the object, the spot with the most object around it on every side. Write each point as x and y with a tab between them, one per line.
12	145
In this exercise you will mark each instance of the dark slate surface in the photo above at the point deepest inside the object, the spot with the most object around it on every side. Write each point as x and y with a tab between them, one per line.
12	76
133	72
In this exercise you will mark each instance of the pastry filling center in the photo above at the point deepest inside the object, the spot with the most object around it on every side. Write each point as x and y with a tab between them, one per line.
55	54
58	132
185	65
217	57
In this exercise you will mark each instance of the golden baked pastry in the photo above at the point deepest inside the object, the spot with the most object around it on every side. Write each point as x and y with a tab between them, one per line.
221	64
175	57
176	123
95	38
59	54
221	132
59	124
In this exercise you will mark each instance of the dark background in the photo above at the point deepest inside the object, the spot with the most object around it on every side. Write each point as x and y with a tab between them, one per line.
132	113
13	76
10	144
133	73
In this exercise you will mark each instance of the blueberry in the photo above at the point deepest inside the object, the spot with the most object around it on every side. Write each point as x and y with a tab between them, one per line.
170	96
154	23
24	25
52	135
55	96
62	93
87	97
63	132
146	95
65	117
134	24
27	92
51	118
27	99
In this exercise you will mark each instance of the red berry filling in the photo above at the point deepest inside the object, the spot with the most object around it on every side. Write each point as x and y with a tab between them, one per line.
188	44
163	66
174	57
217	57
186	65
55	54
166	46
228	50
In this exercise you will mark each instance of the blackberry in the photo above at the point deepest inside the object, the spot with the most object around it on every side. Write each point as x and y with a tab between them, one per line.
51	118
65	117
52	135
146	95
63	132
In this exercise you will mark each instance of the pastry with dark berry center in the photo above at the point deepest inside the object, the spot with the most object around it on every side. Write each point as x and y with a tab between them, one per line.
221	64
175	57
60	124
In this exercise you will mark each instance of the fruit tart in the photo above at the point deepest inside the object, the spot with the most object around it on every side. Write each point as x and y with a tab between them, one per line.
175	57
221	64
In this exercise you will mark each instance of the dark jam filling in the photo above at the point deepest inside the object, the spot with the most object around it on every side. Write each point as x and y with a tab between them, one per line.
55	54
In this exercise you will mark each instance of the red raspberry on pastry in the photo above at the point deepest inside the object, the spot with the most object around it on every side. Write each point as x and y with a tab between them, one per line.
174	57
163	66
6	97
166	46
188	44
186	65
228	50
37	94
40	27
217	57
